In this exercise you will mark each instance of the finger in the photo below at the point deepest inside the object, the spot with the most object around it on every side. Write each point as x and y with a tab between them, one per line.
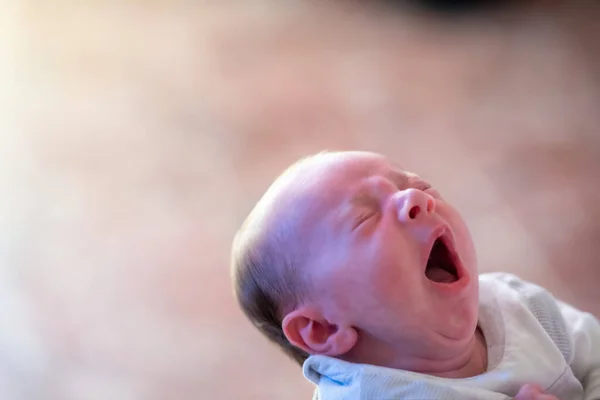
546	397
529	392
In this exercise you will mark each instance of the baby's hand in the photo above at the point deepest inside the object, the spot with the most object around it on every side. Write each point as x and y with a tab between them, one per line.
533	392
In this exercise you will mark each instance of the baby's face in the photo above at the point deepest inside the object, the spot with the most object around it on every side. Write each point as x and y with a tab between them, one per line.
396	261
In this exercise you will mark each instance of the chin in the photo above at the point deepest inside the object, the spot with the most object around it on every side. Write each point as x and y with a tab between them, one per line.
460	320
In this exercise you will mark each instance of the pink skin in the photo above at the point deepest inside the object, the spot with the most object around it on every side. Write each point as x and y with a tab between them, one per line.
374	226
533	392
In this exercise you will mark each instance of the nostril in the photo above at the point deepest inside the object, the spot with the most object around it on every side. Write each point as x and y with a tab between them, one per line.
430	206
414	211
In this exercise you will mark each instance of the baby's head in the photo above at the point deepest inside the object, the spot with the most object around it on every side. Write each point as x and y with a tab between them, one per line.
348	256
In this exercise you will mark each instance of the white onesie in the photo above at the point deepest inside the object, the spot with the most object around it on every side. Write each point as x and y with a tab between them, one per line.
531	338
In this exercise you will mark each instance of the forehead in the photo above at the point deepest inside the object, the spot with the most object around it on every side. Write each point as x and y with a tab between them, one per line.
308	197
325	182
339	173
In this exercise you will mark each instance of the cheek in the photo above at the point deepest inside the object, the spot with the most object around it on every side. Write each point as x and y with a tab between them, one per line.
396	267
392	289
370	287
377	277
467	248
462	235
386	265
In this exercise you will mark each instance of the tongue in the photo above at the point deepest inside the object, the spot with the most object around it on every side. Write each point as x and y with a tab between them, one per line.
438	274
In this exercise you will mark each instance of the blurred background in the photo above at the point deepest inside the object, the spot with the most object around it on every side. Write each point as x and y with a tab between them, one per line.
135	136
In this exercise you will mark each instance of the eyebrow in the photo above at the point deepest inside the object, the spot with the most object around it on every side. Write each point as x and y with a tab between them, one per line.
399	178
364	198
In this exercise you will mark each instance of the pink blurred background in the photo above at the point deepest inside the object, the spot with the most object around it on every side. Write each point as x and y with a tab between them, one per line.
135	137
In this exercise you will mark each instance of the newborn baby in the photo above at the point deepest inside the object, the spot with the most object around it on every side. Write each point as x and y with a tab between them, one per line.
364	275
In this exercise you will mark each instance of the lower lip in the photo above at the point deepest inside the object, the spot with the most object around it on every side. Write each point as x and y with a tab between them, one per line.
463	278
458	285
451	287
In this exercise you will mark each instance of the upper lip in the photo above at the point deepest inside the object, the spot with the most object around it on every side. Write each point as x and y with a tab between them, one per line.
443	233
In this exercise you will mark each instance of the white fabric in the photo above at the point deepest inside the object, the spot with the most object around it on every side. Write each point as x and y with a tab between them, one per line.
531	338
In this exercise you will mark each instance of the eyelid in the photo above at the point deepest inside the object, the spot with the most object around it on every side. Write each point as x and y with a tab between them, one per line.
422	186
432	192
362	218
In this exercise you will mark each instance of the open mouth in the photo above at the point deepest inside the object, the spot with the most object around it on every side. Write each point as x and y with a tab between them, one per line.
441	267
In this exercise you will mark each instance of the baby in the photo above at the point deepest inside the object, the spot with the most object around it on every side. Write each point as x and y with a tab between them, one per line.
364	275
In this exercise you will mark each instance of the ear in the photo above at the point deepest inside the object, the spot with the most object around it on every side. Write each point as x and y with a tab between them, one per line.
308	330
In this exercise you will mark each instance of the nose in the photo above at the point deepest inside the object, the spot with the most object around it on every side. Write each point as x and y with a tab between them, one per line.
414	204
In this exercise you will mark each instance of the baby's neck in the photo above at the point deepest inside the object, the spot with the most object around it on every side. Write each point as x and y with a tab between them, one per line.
475	364
464	363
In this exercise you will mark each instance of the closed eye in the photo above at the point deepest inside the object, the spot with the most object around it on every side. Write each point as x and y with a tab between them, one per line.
429	190
362	218
422	185
426	187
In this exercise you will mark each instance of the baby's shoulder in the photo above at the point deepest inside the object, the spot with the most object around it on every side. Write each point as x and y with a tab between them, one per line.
512	282
538	301
507	285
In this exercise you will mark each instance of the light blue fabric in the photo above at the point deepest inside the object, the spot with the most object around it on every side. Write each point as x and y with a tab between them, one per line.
537	347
